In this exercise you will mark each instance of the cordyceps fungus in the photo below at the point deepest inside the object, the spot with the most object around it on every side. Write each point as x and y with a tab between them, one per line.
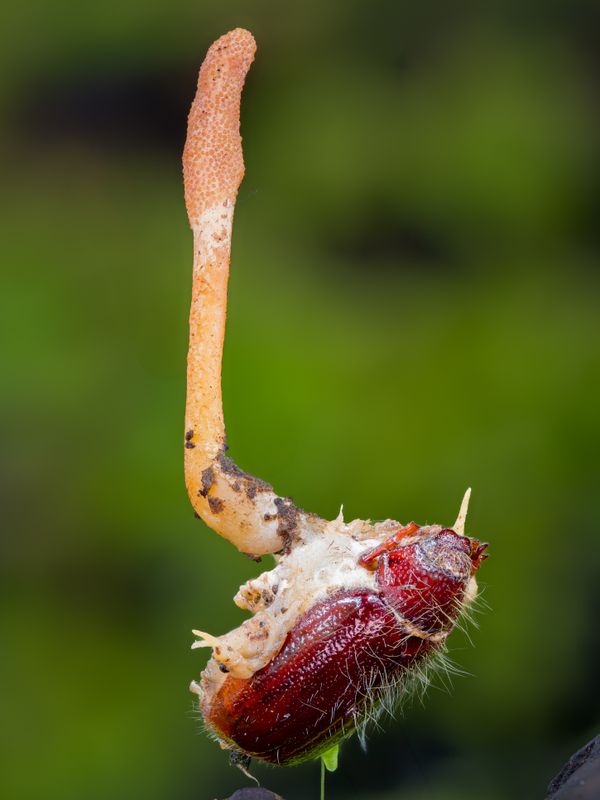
352	612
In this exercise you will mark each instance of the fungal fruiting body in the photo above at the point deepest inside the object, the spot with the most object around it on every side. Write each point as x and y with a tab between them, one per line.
352	613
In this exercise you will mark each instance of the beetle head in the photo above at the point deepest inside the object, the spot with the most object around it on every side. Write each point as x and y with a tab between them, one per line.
426	578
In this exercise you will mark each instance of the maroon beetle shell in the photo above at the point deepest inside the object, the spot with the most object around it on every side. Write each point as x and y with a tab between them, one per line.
345	651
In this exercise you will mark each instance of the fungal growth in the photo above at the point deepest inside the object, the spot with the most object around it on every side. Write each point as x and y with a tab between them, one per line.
353	612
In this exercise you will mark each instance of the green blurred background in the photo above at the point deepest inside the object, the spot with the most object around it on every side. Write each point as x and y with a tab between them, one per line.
413	310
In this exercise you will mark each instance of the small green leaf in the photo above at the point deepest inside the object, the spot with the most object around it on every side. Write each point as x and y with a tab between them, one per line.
330	758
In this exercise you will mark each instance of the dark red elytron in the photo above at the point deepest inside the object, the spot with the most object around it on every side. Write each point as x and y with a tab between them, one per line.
348	650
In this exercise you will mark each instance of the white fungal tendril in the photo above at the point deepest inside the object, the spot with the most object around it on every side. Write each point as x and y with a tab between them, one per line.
205	640
459	525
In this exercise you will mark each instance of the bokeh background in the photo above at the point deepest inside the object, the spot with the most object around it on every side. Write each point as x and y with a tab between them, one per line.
413	310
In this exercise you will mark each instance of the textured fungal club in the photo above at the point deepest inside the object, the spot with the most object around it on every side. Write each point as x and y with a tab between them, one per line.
352	613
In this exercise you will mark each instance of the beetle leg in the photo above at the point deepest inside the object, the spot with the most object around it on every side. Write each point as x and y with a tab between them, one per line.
369	559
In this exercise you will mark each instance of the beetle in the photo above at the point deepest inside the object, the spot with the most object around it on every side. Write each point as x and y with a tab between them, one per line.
350	651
